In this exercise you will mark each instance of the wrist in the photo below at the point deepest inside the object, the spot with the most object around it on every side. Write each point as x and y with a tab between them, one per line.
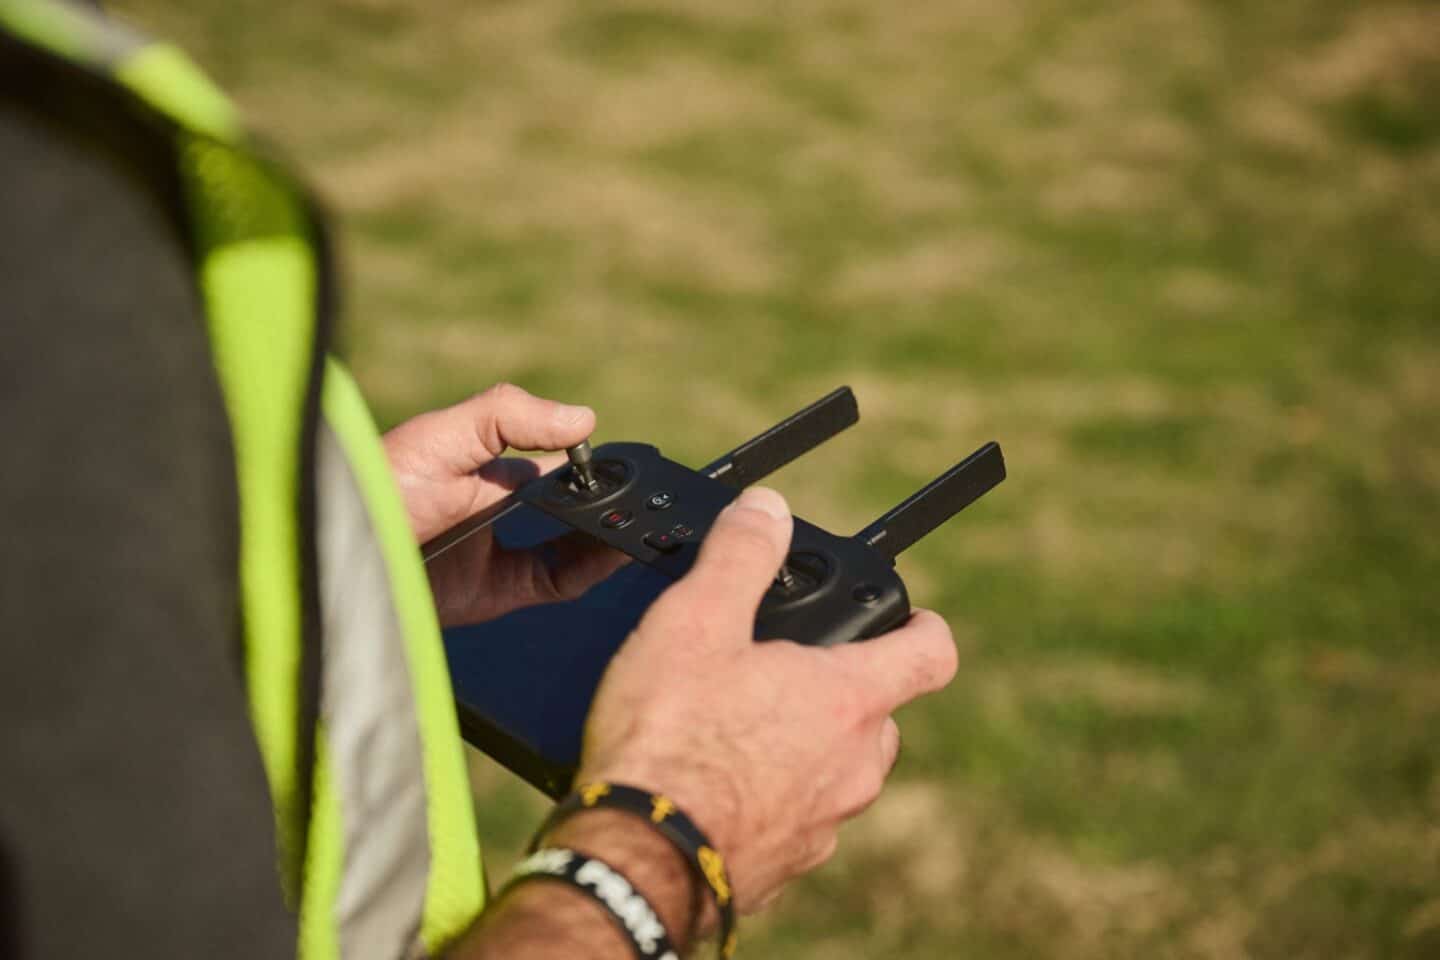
707	796
555	921
543	920
650	862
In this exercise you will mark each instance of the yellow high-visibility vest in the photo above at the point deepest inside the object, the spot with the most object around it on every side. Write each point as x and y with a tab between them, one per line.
376	839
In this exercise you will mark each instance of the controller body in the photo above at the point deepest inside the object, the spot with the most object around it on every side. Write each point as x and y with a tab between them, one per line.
658	511
524	682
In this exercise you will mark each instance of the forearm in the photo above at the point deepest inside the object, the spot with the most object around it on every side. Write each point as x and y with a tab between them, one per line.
540	920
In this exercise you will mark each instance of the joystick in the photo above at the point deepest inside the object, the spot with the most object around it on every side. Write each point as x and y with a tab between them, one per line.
524	701
588	480
581	472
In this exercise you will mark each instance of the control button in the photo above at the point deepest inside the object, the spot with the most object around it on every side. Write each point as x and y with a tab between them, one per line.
616	519
866	593
660	500
803	574
682	531
663	542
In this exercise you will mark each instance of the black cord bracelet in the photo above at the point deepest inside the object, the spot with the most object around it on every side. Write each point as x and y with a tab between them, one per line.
608	887
662	814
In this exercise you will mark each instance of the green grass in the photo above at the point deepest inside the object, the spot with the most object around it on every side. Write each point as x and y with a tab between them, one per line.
1181	258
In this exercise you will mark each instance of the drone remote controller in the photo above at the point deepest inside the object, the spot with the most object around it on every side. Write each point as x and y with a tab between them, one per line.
830	589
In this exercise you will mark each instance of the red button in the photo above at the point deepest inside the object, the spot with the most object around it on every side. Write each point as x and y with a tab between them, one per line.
662	542
616	519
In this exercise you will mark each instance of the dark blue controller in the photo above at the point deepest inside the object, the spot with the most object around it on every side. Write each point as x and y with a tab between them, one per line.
524	682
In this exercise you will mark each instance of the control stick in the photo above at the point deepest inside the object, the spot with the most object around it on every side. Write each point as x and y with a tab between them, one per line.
584	474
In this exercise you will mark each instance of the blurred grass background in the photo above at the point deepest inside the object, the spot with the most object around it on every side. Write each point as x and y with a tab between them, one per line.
1181	257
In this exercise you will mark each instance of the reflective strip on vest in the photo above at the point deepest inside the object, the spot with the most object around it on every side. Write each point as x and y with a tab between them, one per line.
386	867
456	886
371	732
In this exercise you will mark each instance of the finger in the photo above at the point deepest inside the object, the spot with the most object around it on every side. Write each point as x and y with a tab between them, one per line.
489	484
482	587
476	431
811	850
457	581
576	562
821	848
866	777
889	745
506	475
509	473
765	902
738	560
897	667
549	461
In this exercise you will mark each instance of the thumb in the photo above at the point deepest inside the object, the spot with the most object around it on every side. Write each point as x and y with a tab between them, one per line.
738	559
910	661
474	432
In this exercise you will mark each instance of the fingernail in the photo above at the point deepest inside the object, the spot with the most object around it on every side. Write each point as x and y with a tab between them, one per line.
567	413
765	500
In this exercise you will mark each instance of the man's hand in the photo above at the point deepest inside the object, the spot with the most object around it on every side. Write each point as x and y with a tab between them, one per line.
449	467
768	746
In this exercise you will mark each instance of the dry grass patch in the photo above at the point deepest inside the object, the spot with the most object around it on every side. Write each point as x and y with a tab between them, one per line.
1115	687
961	260
923	826
1383	49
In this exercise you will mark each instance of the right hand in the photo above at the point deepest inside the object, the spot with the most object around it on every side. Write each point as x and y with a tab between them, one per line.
768	747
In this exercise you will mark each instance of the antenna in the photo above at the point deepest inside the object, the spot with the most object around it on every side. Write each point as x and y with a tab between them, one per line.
789	439
938	501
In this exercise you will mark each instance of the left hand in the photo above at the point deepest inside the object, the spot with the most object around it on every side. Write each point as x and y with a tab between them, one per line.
449	467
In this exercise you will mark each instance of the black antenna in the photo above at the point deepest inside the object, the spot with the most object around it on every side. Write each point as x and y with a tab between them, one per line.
938	501
792	437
